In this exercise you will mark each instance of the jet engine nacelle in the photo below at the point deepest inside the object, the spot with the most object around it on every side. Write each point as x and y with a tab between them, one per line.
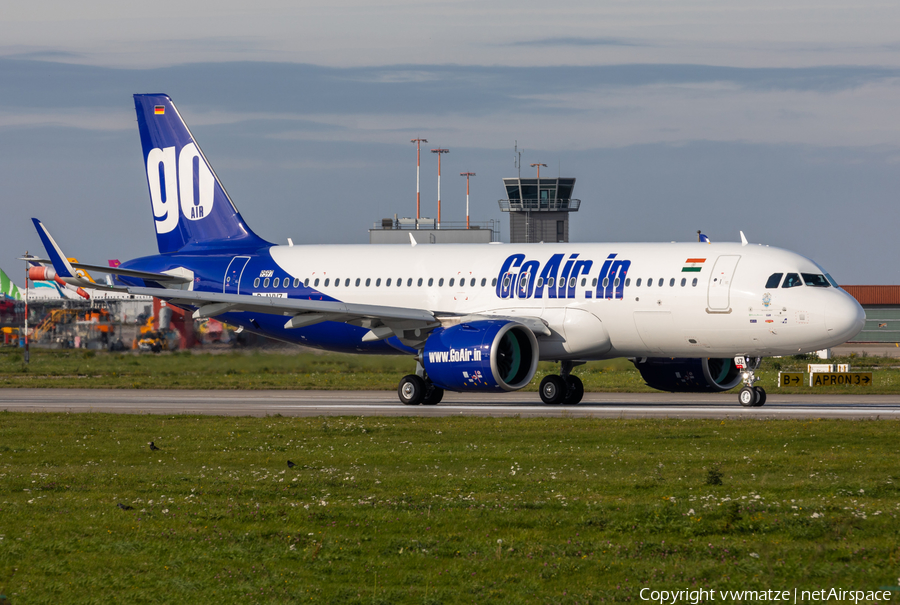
689	375
486	355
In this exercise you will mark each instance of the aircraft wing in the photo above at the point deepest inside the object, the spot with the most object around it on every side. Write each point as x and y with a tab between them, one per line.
411	326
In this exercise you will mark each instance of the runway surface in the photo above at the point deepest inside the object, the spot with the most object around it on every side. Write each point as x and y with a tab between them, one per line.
385	403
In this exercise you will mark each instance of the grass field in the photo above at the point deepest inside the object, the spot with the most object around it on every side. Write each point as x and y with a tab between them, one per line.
439	510
306	370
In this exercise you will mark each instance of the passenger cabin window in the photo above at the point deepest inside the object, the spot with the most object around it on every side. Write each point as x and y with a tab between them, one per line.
593	283
368	281
430	281
816	280
327	280
661	281
388	282
505	282
649	282
494	282
672	282
409	282
266	282
638	282
484	281
791	280
276	282
296	282
774	280
377	282
627	281
306	282
472	283
256	283
347	283
419	283
683	282
357	282
399	281
694	282
441	282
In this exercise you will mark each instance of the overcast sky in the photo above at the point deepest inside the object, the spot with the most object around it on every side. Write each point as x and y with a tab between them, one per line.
674	116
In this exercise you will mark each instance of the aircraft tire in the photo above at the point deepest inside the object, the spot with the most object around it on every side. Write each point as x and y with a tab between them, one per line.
575	391
433	395
412	390
760	397
748	397
553	389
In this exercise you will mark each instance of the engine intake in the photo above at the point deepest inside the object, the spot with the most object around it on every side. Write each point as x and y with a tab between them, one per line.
689	375
481	356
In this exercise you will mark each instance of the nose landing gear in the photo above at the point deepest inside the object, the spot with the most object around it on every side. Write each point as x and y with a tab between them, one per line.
750	396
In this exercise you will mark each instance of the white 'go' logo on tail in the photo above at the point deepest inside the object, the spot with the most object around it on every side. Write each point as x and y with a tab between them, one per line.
178	183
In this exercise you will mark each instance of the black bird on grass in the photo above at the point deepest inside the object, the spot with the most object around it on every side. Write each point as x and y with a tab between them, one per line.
153	448
124	506
291	464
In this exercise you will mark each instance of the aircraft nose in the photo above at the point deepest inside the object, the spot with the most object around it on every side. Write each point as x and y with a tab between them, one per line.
844	317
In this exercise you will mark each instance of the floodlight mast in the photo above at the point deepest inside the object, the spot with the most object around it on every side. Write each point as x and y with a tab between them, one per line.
539	170
418	143
440	152
467	175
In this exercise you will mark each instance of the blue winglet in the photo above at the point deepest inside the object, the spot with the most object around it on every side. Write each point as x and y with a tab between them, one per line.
60	263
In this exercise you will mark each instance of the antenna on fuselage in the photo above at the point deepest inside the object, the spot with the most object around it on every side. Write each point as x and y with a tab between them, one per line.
744	241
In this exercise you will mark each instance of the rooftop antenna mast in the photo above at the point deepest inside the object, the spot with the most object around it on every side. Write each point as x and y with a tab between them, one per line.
518	161
440	152
418	143
467	175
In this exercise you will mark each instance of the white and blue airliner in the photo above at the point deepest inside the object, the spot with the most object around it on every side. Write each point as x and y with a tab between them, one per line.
474	317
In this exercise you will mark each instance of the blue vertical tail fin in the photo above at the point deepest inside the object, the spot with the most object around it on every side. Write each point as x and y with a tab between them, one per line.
190	207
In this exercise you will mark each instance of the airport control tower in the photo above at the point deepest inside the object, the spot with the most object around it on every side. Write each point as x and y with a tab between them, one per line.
539	208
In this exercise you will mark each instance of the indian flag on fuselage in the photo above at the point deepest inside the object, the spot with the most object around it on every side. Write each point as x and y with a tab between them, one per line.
693	265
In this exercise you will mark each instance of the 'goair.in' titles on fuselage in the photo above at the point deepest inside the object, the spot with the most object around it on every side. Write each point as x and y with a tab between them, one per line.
476	317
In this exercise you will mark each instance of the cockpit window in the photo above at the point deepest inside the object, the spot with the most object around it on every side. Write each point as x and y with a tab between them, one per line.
792	280
816	280
831	280
774	280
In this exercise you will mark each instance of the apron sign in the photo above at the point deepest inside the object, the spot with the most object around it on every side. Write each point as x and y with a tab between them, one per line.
823	379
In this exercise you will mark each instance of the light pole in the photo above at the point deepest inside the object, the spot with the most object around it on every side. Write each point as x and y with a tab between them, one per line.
467	175
418	143
539	171
440	152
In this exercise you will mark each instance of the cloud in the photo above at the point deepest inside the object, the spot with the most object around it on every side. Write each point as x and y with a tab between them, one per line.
579	41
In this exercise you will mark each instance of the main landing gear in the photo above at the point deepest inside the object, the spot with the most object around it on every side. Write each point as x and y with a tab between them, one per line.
566	388
750	396
417	389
